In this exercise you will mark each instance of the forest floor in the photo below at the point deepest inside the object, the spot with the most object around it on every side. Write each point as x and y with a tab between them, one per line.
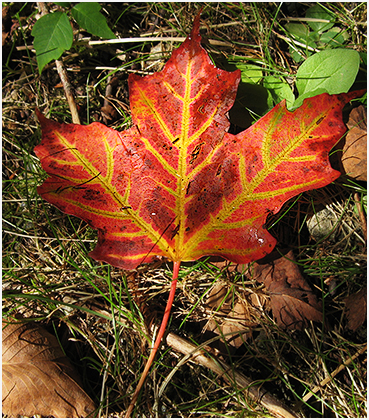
253	365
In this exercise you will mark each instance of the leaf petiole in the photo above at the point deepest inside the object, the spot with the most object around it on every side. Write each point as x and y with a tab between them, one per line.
159	337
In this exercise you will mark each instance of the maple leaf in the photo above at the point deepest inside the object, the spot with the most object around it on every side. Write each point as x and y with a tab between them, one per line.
177	184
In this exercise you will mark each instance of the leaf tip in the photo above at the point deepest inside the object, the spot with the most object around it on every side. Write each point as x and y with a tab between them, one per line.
195	32
40	116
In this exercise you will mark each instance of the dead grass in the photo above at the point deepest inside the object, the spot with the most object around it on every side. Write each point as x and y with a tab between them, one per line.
102	316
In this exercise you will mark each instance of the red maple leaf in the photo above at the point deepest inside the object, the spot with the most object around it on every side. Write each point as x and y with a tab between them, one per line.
177	184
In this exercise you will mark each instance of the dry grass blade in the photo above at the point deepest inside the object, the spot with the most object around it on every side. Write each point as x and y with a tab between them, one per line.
332	375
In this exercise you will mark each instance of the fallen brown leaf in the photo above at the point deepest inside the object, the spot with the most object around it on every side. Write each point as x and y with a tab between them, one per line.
292	301
37	377
6	23
355	309
354	153
232	314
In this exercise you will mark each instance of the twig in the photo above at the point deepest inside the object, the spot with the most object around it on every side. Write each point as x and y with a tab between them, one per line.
68	90
256	392
85	41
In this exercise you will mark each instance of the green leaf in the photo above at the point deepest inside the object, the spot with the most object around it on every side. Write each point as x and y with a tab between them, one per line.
298	30
278	89
364	58
88	17
250	73
298	102
318	12
332	70
53	35
300	40
334	38
296	55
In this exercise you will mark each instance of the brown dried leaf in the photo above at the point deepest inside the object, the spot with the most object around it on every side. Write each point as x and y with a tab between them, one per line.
292	301
356	309
354	155
37	377
232	314
6	24
109	112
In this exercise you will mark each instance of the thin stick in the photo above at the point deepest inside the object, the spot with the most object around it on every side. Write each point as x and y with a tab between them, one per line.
68	90
252	389
159	337
83	41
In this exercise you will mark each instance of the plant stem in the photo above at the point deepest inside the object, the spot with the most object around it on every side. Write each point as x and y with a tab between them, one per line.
159	337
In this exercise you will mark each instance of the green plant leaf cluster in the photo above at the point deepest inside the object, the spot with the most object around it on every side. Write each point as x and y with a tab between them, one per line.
332	70
53	33
318	32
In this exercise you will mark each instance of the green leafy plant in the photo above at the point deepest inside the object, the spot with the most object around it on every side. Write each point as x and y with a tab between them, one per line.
332	70
318	32
53	33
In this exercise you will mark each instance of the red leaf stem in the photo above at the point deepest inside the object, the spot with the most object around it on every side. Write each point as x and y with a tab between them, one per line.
159	337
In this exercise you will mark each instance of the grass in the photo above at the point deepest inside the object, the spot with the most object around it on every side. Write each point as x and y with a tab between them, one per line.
103	317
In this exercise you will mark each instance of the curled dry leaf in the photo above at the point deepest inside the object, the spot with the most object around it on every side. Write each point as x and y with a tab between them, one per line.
37	377
292	301
6	24
227	316
355	309
354	153
232	314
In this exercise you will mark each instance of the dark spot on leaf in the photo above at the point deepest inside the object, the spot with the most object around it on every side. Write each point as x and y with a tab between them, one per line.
175	231
188	188
195	153
92	195
320	120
